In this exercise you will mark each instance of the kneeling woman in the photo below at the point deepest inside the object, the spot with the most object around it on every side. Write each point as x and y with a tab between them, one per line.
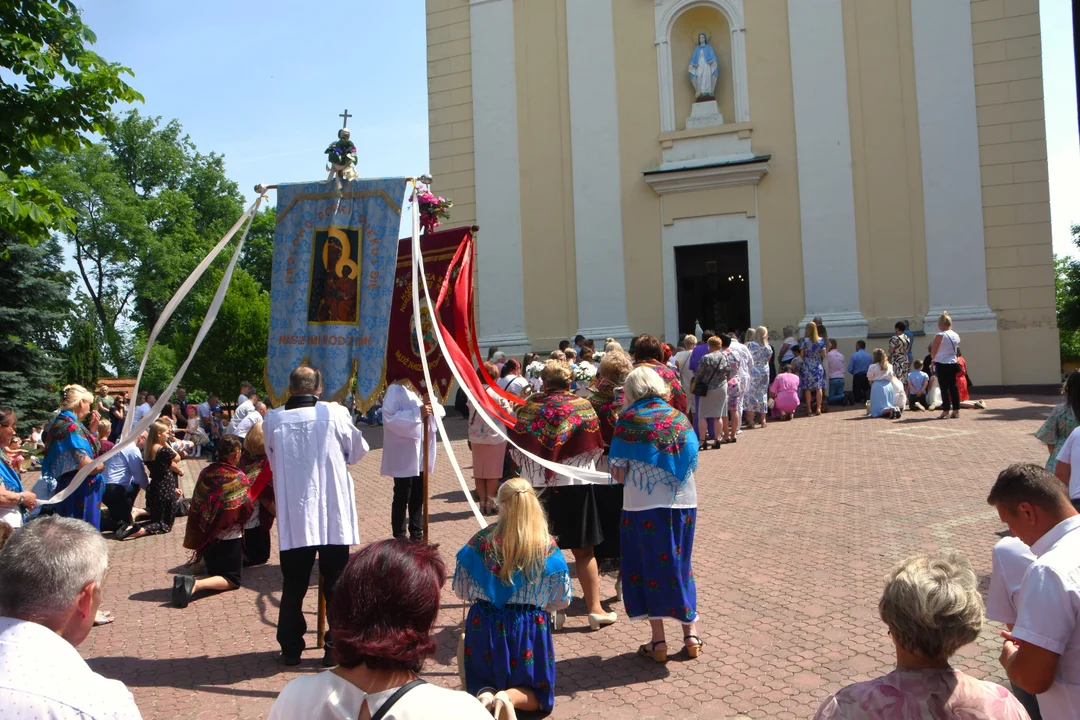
220	507
514	575
654	454
883	400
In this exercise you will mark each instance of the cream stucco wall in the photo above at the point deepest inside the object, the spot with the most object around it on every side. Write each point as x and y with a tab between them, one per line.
887	169
1016	200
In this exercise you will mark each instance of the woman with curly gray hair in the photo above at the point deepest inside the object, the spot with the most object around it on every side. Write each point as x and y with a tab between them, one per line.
932	608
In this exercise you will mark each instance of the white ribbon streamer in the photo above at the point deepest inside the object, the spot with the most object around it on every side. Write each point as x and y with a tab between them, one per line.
130	433
580	474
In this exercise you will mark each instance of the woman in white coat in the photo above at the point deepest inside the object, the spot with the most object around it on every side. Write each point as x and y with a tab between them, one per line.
405	409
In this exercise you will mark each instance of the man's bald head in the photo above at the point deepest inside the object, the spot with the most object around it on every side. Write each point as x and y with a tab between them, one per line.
305	380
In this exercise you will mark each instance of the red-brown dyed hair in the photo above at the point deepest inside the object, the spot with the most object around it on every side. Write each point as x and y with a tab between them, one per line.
385	605
648	348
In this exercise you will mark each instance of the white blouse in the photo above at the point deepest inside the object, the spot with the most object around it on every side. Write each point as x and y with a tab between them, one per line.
328	696
874	372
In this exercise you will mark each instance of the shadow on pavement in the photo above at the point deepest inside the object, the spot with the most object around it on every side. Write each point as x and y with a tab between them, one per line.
591	673
205	673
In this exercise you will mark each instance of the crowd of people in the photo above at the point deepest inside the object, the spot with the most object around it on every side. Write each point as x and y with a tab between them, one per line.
602	463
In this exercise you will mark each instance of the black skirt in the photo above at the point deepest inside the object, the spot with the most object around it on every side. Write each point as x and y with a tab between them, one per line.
609	499
573	516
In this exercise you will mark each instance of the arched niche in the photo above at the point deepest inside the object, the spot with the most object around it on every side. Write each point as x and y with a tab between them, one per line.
677	22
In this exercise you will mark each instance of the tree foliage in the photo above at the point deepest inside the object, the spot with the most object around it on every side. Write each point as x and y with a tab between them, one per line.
1067	285
54	92
83	351
34	311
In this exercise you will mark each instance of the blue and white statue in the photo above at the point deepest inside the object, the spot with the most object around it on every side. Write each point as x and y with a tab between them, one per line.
704	70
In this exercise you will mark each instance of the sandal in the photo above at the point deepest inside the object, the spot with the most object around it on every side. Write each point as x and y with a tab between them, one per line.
943	416
955	415
503	707
104	617
693	651
650	650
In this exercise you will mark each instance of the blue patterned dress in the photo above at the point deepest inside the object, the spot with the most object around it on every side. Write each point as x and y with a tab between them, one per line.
757	398
657	448
508	630
813	369
67	443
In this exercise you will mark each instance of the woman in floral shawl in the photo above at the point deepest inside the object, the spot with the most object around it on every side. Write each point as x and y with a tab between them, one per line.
1062	420
220	507
650	353
70	446
654	454
607	400
560	427
514	575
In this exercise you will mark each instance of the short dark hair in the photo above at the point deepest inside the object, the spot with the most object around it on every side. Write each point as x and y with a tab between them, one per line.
917	364
579	339
1072	393
510	366
229	445
901	325
383	629
1030	483
564	344
725	341
648	348
860	345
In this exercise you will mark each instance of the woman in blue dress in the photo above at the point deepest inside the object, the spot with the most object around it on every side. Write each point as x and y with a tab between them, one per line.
70	446
515	576
14	498
813	369
654	454
757	398
883	400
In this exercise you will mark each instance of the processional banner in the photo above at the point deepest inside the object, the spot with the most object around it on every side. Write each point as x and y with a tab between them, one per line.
402	349
335	251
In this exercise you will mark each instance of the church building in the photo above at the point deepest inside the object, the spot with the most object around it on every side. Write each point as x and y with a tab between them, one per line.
655	165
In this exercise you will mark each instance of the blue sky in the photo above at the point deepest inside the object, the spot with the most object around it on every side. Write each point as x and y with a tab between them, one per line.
264	82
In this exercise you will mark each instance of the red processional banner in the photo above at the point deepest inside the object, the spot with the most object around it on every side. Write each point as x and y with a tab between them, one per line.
448	265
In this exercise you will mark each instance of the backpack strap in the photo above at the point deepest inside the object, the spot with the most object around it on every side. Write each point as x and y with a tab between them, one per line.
392	700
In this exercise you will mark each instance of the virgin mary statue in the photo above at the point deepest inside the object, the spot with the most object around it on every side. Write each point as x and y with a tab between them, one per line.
704	69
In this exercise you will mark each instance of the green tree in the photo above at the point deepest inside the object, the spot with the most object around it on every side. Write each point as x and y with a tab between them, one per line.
34	311
54	94
258	254
1067	287
83	353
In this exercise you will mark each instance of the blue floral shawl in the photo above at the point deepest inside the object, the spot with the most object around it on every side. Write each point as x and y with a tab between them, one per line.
480	560
67	442
653	432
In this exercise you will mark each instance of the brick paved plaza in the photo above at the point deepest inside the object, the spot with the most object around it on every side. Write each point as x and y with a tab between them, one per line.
797	526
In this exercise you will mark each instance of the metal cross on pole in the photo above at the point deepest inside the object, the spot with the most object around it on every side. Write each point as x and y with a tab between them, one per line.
345	121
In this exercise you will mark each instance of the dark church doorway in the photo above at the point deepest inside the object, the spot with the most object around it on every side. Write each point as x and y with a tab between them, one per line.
713	286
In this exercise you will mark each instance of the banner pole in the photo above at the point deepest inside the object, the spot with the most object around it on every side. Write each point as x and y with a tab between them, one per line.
424	474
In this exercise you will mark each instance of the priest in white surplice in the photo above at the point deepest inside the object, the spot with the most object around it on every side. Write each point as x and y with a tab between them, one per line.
403	412
309	444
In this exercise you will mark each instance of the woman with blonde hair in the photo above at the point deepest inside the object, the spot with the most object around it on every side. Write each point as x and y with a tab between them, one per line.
256	467
947	366
654	455
163	493
514	576
813	369
757	397
70	446
883	400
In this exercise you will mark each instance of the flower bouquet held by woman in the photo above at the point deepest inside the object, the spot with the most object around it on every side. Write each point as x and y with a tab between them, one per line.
514	575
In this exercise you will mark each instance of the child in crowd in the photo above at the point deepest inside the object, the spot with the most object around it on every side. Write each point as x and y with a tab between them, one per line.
104	430
194	432
220	507
15	454
917	384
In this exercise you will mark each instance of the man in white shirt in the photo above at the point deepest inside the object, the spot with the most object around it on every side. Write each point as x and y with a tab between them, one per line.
1042	652
246	389
309	445
1011	560
125	475
46	610
404	412
242	411
242	428
143	410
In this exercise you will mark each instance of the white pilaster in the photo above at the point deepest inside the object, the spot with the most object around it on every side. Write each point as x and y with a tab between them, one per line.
952	181
594	139
826	190
498	187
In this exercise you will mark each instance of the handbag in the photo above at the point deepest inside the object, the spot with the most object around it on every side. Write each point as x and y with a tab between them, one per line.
701	389
392	700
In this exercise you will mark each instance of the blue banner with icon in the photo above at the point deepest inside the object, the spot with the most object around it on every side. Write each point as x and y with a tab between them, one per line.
335	252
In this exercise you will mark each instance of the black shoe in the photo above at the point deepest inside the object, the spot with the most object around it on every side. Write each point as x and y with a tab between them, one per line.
125	531
328	659
182	590
289	660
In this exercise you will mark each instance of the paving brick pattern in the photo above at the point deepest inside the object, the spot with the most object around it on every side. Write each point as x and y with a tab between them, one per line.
797	526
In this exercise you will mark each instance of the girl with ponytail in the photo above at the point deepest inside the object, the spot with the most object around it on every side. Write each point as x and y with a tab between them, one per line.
515	576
